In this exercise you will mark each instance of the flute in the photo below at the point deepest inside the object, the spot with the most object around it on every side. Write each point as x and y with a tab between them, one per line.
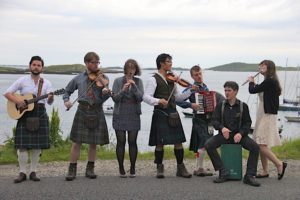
253	77
131	74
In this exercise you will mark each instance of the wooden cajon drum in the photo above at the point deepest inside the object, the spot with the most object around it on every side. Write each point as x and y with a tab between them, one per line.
231	155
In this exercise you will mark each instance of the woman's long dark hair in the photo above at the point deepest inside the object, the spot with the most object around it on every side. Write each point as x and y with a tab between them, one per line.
271	73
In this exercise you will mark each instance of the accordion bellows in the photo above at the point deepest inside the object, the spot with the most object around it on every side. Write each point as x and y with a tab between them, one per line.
207	101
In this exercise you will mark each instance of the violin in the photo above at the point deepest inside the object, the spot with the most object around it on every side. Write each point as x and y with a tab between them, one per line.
172	78
99	79
184	83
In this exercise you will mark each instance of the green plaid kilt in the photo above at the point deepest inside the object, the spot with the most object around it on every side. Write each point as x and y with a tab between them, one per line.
25	139
199	134
80	133
162	133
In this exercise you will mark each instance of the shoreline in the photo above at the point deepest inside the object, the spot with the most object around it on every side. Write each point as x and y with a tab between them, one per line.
143	168
60	73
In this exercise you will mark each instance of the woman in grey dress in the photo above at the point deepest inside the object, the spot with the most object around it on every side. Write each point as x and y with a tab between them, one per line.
127	94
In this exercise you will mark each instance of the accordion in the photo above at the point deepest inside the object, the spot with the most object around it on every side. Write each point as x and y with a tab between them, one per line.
207	101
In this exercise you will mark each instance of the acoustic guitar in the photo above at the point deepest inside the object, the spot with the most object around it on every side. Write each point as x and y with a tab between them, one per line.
15	112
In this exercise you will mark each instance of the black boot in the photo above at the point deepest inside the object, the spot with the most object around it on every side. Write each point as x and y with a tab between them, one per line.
250	180
72	172
20	178
33	177
160	171
89	172
223	176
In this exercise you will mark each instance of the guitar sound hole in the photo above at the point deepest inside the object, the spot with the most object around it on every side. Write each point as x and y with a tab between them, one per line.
21	109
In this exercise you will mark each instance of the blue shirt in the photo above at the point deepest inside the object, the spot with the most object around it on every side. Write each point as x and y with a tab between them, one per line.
81	83
186	104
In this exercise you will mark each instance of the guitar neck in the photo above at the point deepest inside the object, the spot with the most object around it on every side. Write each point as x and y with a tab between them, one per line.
36	99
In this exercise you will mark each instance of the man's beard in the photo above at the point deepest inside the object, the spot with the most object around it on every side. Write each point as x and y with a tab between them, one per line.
35	73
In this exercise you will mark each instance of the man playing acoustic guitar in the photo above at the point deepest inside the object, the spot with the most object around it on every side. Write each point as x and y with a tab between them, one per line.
32	130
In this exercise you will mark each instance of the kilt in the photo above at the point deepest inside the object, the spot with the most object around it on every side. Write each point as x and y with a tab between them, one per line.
80	133
199	134
25	139
162	133
128	119
127	122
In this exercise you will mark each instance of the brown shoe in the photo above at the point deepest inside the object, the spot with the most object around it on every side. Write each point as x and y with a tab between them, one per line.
71	172
201	172
20	178
182	171
89	172
33	177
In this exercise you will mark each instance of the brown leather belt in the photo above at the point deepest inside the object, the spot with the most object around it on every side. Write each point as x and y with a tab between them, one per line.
88	106
131	101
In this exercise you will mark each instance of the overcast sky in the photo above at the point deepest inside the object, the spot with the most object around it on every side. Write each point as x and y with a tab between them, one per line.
205	32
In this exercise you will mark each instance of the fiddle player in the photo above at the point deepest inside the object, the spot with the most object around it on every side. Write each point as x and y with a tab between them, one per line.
166	127
89	124
202	128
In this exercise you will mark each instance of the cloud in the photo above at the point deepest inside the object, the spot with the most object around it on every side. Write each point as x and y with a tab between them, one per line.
212	32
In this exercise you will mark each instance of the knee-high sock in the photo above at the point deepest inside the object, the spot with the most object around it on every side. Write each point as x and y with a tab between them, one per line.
23	159
179	153
199	158
35	157
159	155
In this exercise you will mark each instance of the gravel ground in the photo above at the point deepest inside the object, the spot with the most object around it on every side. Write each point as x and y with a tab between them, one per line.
143	168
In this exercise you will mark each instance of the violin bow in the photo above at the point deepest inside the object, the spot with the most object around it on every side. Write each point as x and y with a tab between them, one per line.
89	86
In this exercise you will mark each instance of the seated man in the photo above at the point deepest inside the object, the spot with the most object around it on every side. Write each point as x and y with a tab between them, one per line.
231	118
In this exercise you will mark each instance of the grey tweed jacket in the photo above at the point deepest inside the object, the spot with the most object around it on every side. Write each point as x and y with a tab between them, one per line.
135	93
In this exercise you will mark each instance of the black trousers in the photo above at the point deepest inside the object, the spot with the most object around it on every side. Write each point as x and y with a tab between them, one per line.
216	141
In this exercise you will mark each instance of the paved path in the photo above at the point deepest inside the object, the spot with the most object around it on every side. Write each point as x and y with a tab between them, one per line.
148	187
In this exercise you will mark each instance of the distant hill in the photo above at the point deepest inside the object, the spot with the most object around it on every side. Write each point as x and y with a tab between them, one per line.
10	70
173	68
59	69
74	68
16	66
245	67
236	66
78	68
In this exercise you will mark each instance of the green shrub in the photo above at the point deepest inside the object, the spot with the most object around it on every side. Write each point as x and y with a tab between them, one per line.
54	129
10	142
